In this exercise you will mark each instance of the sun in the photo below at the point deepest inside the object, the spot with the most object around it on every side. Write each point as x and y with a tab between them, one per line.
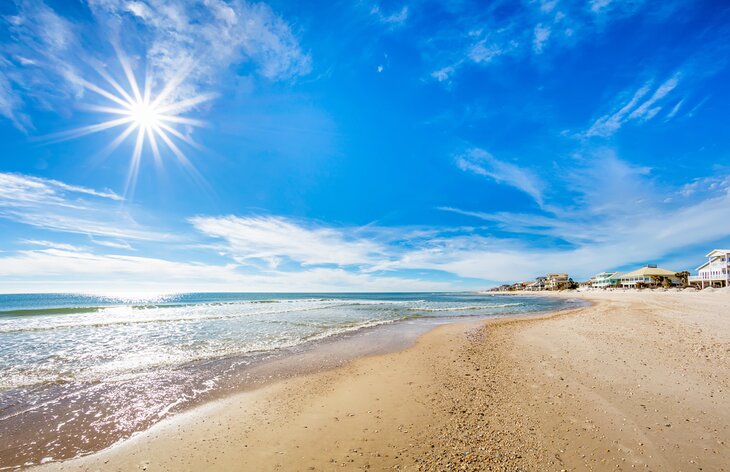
145	115
152	120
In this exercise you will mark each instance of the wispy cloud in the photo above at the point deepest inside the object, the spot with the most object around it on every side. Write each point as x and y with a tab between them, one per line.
34	61
616	214
57	206
270	239
648	110
542	35
394	18
11	103
619	216
72	269
214	36
637	108
484	34
483	163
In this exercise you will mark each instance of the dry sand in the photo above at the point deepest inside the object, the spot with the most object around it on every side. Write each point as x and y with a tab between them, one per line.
637	380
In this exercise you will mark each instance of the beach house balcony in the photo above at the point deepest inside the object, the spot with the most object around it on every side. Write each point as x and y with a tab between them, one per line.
648	276
557	281
605	280
715	272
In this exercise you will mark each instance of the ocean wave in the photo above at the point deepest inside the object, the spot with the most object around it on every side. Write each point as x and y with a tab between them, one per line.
466	308
197	313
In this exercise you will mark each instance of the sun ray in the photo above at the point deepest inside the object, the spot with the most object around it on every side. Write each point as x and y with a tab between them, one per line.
112	146
94	88
134	164
173	83
147	87
105	75
130	77
106	109
153	144
86	130
155	117
184	105
184	161
181	120
179	135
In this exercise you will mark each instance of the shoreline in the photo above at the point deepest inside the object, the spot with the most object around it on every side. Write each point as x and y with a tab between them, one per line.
244	398
634	380
84	412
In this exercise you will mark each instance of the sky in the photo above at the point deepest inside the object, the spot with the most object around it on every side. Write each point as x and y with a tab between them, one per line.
226	145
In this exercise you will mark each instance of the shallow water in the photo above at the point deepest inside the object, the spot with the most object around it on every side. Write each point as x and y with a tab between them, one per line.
79	372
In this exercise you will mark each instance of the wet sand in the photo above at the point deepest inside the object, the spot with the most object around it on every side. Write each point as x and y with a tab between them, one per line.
637	380
59	422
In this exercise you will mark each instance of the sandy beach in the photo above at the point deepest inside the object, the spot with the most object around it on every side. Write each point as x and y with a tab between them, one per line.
637	380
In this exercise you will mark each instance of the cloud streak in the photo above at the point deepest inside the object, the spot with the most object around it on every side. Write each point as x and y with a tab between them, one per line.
57	206
270	239
637	108
214	36
484	34
480	162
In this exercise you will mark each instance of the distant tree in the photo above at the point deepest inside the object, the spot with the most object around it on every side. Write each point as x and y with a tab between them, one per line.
640	285
683	277
658	279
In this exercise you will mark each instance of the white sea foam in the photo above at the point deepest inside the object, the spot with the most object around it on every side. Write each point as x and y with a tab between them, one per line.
38	346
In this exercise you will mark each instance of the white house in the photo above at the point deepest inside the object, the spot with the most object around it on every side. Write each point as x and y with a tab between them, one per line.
648	276
715	271
556	281
537	286
605	280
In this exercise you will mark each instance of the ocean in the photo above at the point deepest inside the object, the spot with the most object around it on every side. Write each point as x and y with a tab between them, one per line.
80	372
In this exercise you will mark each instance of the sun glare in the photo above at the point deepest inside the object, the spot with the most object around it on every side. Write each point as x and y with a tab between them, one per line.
144	115
155	119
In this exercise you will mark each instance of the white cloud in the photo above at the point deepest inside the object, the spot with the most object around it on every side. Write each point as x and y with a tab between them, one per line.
618	217
11	103
598	5
444	73
395	18
675	110
214	35
52	245
34	61
542	34
57	206
634	109
74	269
645	110
609	124
269	238
483	163
485	51
597	244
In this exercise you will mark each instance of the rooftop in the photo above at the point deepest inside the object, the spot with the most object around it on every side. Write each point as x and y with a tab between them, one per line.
718	252
649	271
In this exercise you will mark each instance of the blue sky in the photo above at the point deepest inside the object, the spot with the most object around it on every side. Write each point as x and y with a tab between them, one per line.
372	146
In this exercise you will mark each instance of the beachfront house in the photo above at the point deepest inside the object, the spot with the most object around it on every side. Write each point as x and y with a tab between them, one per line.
649	276
537	286
714	272
557	281
519	286
605	280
